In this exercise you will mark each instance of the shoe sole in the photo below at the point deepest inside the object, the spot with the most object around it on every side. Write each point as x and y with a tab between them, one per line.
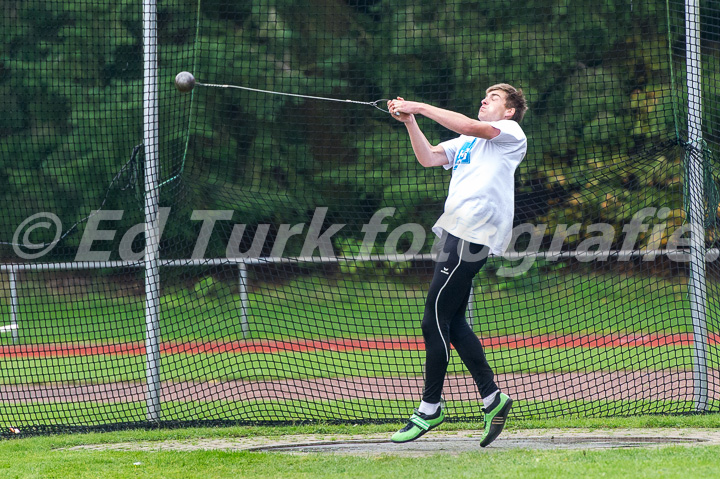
419	435
496	429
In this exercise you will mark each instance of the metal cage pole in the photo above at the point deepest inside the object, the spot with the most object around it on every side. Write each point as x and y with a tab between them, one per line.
151	176
697	282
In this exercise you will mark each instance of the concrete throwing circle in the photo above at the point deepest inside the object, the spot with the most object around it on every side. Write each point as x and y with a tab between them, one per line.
457	445
437	442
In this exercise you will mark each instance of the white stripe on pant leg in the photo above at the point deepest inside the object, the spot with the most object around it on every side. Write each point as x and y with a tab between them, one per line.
437	317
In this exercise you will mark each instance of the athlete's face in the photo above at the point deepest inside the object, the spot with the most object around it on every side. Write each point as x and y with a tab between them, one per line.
493	107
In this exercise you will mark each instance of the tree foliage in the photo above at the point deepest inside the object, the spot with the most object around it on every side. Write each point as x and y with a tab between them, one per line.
597	76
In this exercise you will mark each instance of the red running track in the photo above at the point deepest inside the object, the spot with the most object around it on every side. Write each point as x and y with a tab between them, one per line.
347	345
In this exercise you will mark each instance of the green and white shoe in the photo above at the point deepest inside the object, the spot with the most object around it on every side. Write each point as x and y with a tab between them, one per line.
418	425
495	417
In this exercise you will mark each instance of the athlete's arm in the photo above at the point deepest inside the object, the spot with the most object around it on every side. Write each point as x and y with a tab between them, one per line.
427	155
451	120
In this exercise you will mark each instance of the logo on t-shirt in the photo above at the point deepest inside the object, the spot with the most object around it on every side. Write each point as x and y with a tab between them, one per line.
463	155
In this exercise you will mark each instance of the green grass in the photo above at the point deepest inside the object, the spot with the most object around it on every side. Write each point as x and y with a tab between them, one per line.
668	462
32	418
316	307
48	457
328	364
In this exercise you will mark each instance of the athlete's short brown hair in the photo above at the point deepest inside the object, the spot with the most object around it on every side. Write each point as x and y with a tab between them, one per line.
515	99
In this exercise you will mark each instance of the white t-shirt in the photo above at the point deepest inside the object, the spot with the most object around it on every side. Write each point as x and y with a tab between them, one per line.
481	198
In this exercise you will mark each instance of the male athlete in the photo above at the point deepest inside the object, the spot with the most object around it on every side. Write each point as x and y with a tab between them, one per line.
477	220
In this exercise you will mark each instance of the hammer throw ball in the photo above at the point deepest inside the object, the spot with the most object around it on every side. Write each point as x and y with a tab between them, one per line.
184	82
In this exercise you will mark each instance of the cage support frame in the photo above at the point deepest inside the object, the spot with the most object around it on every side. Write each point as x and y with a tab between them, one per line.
697	281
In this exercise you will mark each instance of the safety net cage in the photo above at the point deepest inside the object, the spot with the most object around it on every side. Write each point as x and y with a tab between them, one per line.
252	243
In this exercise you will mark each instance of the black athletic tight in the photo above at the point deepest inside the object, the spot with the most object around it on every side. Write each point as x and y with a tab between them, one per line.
444	320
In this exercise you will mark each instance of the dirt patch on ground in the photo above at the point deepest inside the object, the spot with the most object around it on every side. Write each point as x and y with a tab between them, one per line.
437	442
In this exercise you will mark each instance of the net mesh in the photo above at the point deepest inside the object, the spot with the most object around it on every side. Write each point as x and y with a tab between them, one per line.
273	303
